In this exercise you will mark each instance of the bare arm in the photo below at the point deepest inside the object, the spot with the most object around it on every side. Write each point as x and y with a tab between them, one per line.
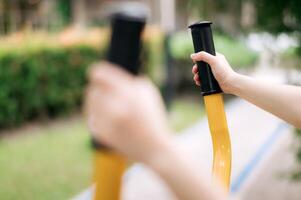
283	101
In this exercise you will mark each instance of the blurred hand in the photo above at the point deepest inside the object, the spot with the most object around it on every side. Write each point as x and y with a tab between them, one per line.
220	67
126	113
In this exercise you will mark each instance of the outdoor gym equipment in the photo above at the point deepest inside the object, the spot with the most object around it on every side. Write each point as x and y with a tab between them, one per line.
124	51
213	98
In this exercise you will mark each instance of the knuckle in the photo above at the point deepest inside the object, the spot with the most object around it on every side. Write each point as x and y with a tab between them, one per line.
201	54
198	56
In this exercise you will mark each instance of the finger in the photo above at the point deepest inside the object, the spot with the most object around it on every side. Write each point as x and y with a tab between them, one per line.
94	99
97	128
196	79
110	76
195	69
203	56
98	99
98	108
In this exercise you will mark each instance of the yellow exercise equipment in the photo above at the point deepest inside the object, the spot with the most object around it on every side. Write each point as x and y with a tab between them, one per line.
109	169
214	105
220	138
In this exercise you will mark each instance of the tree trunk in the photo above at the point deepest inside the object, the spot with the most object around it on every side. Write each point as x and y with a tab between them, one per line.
181	15
79	13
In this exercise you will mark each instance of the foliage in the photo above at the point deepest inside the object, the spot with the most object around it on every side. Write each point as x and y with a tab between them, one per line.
297	173
206	8
291	57
279	15
42	82
45	75
65	10
238	54
184	113
40	77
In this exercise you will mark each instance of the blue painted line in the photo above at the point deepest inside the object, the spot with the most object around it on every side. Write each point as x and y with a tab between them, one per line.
254	161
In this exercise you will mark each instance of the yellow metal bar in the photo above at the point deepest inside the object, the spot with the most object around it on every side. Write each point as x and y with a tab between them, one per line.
108	172
220	138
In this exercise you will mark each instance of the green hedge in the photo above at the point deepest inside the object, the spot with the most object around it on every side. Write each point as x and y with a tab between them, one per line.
238	54
41	78
42	82
296	175
291	58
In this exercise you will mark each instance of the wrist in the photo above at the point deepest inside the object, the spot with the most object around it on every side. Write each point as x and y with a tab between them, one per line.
163	157
233	83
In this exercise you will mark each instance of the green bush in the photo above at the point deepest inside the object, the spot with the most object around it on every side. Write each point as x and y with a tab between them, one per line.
41	78
42	82
296	175
291	58
237	53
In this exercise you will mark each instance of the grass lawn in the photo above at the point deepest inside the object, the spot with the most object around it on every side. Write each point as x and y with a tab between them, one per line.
54	161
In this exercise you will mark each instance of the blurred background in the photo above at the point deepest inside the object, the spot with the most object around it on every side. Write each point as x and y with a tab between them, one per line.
46	47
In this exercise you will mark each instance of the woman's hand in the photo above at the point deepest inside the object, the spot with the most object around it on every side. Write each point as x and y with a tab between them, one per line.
126	113
280	100
220	67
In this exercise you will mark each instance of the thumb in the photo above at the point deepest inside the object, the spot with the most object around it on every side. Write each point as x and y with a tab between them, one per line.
203	56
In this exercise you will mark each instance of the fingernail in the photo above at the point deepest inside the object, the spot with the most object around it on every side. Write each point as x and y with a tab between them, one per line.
193	55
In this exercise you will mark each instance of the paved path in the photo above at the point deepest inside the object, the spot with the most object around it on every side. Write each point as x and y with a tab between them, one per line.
271	178
261	151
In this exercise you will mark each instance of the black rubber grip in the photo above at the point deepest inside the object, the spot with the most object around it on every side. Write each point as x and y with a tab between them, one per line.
125	45
203	41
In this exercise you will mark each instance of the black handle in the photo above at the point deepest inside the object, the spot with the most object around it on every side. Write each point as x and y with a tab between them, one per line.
125	43
203	41
125	47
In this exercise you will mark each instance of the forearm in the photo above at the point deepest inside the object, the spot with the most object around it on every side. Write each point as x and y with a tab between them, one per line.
183	177
283	101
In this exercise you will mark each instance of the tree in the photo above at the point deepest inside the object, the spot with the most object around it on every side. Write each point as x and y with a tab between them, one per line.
279	15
